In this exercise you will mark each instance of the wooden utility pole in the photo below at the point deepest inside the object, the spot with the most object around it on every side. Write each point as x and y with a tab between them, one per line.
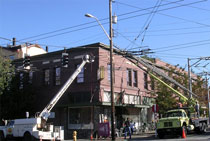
111	73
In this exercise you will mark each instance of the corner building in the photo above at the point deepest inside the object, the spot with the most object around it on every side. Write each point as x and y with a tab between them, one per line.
87	101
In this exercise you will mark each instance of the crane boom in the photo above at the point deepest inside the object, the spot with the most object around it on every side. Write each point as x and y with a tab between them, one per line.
153	69
46	111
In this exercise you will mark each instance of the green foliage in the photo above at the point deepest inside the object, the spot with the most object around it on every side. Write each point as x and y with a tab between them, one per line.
165	98
6	73
19	98
168	100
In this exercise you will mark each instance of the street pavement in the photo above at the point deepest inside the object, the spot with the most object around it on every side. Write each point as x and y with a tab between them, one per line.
151	136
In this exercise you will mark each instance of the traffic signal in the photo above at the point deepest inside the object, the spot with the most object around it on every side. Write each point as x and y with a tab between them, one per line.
26	61
65	59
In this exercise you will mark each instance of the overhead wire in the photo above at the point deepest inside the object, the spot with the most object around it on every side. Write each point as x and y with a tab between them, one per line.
153	14
192	6
118	20
175	16
188	43
87	23
184	47
171	29
174	34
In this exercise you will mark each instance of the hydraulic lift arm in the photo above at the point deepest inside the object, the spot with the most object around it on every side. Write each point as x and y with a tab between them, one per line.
151	69
46	111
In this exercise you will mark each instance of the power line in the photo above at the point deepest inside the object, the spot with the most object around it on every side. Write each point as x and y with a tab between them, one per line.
192	7
174	34
188	43
176	16
90	22
172	29
172	16
102	23
5	39
184	47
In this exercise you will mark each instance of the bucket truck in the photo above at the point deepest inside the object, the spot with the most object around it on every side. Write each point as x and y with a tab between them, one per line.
38	128
174	121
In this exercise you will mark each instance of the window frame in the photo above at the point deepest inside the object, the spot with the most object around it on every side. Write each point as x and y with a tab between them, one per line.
57	76
145	81
113	72
129	77
81	75
135	78
46	77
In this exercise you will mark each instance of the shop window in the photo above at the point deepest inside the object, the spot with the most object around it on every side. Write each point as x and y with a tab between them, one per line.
79	115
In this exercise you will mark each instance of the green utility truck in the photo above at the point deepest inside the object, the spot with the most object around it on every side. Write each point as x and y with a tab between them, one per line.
176	122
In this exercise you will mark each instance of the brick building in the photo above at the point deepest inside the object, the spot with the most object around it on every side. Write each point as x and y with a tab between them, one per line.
87	101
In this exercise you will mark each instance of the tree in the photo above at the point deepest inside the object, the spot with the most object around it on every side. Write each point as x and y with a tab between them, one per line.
6	74
16	93
20	97
166	99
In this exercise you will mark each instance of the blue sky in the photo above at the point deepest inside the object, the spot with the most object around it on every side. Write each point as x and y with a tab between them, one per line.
177	29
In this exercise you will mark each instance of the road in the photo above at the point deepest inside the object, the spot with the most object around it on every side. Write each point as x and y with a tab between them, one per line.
151	136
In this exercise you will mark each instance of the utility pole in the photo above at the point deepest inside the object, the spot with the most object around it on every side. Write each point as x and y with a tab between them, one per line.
111	62
189	75
207	87
111	73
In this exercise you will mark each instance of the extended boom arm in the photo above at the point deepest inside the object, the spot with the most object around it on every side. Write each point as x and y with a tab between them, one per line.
46	112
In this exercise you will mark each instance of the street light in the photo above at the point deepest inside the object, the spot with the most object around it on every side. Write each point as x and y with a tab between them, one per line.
91	16
111	64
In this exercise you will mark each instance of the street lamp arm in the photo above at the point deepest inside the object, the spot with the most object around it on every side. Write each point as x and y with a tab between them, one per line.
91	16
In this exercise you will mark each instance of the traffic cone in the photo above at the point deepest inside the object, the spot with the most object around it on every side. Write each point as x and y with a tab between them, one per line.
91	137
183	133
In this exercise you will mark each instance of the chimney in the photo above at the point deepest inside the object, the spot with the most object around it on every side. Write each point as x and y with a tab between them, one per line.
46	48
14	41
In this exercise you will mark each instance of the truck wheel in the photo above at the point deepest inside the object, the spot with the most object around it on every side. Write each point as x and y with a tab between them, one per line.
201	127
2	136
27	137
204	127
161	136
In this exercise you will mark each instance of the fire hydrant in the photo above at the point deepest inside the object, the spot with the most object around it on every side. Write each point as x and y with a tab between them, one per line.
75	136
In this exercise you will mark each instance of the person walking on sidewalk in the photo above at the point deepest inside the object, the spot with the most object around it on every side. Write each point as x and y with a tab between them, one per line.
127	128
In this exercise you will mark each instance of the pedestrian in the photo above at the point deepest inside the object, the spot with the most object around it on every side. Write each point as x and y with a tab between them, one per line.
127	128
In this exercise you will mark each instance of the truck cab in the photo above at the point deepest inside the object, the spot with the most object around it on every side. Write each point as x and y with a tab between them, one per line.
173	122
7	130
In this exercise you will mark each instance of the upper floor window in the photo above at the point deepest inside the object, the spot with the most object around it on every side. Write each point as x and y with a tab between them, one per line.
135	80
47	77
57	76
145	81
129	77
81	76
21	81
152	84
30	75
